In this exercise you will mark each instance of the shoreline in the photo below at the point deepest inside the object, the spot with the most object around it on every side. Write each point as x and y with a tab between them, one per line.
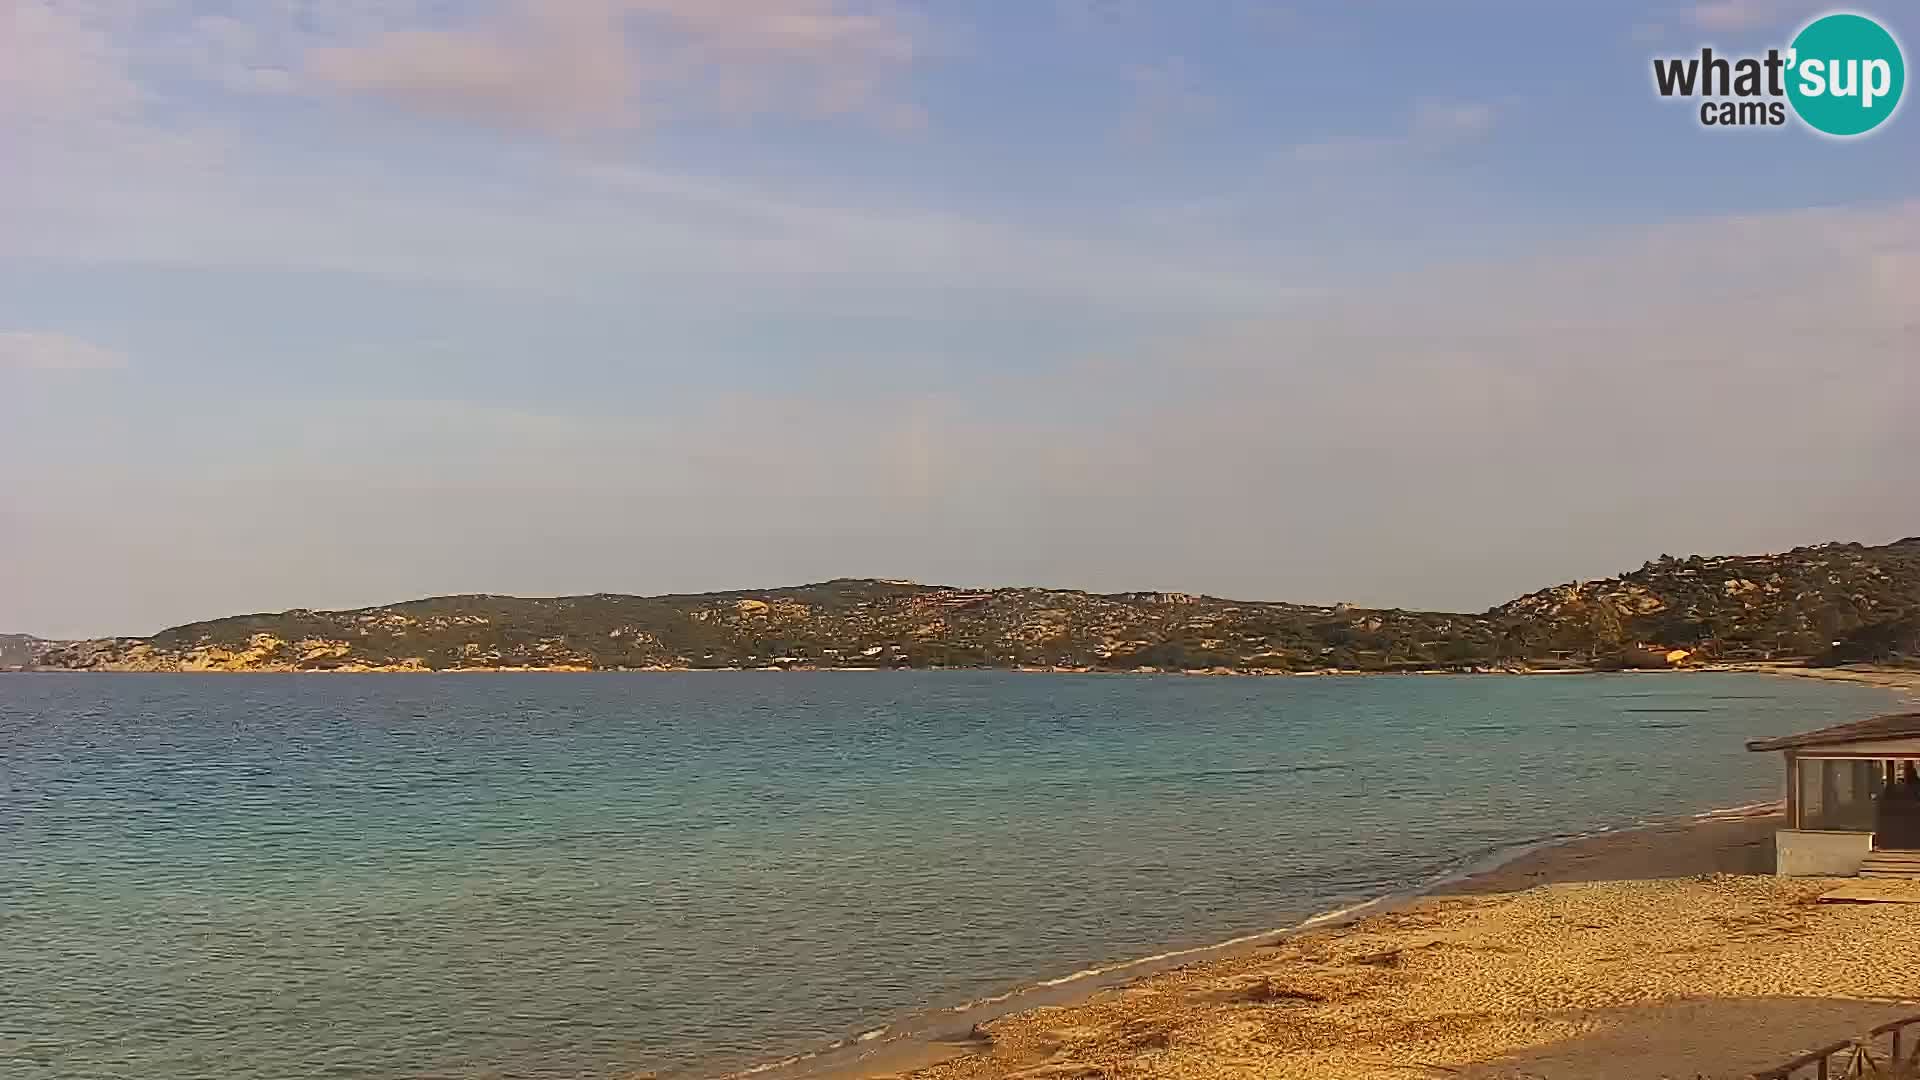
1730	840
1882	676
1630	938
1888	678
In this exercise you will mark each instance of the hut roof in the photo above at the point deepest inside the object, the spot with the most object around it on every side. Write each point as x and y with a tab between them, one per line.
1890	726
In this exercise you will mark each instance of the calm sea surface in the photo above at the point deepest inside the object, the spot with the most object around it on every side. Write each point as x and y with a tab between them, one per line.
279	877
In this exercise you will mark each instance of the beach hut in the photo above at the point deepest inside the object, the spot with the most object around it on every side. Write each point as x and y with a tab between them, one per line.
1853	799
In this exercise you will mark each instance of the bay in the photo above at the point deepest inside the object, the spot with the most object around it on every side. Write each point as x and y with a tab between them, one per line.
489	876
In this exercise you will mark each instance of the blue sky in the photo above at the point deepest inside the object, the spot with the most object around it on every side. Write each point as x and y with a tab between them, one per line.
333	303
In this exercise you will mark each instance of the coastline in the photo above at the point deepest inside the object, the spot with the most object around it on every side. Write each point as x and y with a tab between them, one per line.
1884	677
953	1040
1563	955
1890	678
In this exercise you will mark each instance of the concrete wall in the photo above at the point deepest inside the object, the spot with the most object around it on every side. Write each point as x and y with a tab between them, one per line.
1820	854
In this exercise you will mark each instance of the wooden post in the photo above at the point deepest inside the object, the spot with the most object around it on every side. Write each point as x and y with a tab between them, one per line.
1793	789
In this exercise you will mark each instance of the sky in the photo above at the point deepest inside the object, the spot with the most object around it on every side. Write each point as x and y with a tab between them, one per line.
331	303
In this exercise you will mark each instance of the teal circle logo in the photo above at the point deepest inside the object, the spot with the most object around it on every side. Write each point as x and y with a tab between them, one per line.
1846	74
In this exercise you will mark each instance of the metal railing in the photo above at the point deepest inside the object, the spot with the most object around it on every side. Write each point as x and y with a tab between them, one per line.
1862	1056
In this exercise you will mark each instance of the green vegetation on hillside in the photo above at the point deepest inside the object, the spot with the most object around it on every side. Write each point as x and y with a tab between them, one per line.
1831	602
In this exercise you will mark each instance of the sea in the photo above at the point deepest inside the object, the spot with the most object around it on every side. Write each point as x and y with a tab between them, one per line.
275	877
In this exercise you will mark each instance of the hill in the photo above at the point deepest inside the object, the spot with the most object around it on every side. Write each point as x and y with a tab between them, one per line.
1808	603
1796	605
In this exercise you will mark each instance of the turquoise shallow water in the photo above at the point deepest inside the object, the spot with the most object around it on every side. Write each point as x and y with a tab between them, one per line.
274	877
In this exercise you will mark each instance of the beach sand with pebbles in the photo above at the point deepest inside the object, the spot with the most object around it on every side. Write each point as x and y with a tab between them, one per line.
1664	952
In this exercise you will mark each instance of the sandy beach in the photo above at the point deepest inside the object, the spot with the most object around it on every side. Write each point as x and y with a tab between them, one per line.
1660	952
1890	678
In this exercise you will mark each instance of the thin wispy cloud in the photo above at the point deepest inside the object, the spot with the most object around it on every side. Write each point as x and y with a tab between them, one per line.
594	227
61	63
597	63
41	350
543	71
576	65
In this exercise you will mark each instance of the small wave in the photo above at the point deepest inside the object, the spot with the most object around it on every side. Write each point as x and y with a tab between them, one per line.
1756	809
1308	923
1175	954
870	1035
1266	770
979	1003
798	1059
1337	913
1088	973
1211	774
1175	777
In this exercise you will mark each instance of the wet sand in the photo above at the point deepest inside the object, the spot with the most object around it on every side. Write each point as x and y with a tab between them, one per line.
1730	845
1668	951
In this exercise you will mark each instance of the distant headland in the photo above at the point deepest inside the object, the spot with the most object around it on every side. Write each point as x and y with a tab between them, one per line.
1829	603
